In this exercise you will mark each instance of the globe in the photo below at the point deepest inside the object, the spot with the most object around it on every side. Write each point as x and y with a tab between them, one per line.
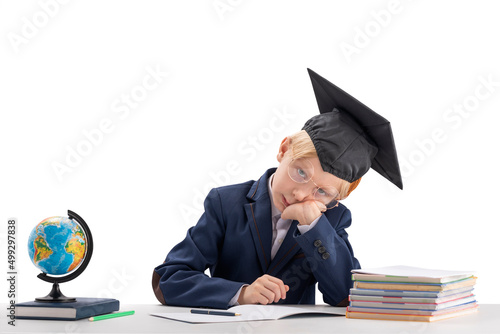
57	245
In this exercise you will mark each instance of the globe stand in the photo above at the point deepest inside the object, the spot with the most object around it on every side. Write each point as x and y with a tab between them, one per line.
55	295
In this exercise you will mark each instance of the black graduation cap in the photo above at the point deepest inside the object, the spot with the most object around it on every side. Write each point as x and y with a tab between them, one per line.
349	137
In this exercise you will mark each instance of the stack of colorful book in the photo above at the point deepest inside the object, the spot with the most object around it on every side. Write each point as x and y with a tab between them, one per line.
411	294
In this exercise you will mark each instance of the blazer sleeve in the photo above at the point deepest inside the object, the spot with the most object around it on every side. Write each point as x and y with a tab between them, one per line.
330	256
180	280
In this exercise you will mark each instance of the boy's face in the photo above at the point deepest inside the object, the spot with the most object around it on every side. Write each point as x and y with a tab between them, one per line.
287	192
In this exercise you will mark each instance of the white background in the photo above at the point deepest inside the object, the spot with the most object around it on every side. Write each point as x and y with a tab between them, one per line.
233	66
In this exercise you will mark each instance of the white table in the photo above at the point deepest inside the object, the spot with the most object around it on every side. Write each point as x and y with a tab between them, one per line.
487	320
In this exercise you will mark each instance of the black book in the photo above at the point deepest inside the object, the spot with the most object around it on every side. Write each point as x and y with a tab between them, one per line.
82	308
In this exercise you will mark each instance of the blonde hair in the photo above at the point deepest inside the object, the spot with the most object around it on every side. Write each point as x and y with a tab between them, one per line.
302	146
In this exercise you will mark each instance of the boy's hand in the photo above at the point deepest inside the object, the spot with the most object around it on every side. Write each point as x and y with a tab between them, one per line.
305	212
264	290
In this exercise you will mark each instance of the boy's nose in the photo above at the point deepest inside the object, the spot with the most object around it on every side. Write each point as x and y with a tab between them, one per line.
301	194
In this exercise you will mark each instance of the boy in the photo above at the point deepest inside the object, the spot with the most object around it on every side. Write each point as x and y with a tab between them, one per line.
271	240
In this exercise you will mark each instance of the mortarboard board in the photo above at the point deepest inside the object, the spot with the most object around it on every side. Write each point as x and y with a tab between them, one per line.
349	137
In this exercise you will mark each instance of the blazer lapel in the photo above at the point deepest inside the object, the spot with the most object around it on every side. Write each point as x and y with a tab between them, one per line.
287	250
258	212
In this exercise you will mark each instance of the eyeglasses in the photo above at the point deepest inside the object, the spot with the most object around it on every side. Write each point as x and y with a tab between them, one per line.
302	171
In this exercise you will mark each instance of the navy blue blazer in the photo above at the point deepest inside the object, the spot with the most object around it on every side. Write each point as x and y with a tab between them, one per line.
233	240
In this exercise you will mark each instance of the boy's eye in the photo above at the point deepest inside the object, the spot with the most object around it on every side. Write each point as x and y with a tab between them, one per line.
302	173
321	192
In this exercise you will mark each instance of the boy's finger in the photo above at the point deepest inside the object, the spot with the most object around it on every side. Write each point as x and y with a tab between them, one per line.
286	214
268	293
276	289
321	206
280	285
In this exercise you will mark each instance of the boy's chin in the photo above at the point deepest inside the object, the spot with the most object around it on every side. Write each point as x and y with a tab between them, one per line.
280	206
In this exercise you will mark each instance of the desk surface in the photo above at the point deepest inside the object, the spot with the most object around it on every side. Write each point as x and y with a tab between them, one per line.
486	320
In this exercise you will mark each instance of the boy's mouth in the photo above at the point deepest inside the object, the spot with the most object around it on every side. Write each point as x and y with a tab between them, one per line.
285	202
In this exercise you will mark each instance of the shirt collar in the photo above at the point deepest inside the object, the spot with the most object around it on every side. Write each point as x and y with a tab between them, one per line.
274	210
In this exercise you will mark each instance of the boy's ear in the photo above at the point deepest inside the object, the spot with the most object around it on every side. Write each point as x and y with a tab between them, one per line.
284	147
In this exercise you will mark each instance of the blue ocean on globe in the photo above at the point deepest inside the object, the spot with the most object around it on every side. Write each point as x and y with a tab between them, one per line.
57	245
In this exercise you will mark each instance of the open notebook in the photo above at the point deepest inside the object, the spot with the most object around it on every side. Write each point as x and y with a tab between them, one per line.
251	313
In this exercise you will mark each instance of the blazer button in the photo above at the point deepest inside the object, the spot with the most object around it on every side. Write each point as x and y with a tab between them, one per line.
321	249
325	256
317	243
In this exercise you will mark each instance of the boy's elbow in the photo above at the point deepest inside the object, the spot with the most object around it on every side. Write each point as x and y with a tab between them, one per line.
156	287
344	302
335	302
